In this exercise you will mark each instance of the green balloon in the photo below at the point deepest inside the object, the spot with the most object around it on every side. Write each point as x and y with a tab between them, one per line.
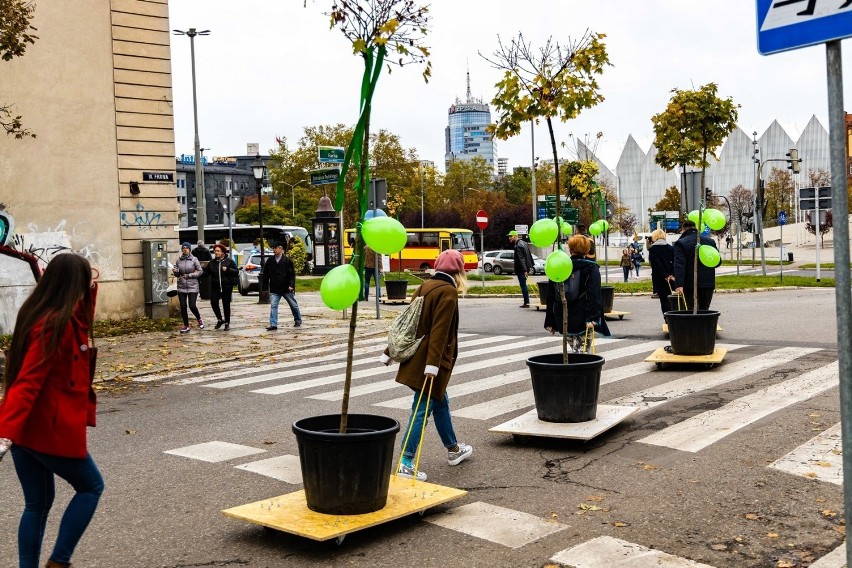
709	256
340	288
714	218
384	235
604	225
595	229
543	232
693	216
567	229
558	266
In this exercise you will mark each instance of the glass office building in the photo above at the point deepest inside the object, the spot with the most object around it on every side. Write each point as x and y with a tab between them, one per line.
465	134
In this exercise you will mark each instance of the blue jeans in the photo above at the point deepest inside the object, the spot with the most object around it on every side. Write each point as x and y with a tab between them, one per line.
369	274
290	298
35	472
522	280
443	423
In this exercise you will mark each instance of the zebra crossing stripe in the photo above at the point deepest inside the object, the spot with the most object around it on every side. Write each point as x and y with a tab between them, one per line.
283	468
384	371
215	451
819	458
616	553
691	384
834	559
522	400
702	430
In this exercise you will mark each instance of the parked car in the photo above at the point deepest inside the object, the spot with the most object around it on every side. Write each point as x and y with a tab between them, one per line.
505	262
250	270
487	259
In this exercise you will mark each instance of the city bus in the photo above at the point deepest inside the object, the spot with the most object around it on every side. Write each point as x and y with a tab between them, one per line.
424	246
245	235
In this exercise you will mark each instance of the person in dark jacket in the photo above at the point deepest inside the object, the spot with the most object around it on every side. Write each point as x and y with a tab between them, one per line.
583	294
660	256
626	263
187	269
279	277
433	362
523	263
201	253
48	403
223	273
684	255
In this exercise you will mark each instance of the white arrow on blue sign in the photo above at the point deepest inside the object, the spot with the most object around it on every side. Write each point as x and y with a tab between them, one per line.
791	24
782	218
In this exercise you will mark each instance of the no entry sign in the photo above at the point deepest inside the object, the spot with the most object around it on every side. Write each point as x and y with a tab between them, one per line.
481	219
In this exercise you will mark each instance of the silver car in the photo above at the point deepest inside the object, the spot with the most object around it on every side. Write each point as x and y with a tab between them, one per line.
249	271
505	262
486	260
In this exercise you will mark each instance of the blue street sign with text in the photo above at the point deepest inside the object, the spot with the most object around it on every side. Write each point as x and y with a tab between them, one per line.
782	218
791	24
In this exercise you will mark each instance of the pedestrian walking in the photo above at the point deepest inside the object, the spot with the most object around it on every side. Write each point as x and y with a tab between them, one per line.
523	263
637	259
684	257
187	270
583	295
202	253
626	263
370	272
279	278
223	273
47	404
661	258
428	371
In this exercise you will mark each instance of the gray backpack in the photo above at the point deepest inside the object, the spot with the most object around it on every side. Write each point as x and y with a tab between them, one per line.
402	335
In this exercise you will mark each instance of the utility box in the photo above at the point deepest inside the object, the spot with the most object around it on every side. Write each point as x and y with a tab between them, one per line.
155	266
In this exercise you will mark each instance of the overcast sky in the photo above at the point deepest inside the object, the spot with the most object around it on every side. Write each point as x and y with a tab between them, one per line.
270	68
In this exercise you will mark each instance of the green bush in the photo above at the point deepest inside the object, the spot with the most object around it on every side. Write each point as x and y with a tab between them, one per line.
298	255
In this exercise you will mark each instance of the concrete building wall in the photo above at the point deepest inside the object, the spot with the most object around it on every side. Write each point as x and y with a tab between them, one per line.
96	90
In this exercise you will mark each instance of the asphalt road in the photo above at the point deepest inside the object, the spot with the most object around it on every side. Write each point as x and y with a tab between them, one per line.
688	474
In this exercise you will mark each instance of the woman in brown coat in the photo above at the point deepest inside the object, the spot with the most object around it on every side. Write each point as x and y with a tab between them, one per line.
433	361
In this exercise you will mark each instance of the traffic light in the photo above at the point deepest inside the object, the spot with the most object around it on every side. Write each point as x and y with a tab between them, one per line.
793	160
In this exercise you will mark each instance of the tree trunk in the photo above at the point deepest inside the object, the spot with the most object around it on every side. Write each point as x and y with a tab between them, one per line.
558	242
698	238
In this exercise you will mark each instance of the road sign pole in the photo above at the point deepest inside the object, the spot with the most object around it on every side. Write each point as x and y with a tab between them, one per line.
482	248
781	248
843	294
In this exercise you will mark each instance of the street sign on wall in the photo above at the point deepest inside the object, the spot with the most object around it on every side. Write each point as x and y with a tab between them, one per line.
791	24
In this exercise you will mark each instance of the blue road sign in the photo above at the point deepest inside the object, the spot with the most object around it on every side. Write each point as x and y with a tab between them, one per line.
791	24
782	218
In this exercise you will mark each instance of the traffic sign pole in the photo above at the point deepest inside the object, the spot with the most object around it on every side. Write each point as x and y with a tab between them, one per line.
482	222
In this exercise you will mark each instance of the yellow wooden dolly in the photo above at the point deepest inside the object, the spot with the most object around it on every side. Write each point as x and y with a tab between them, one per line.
662	357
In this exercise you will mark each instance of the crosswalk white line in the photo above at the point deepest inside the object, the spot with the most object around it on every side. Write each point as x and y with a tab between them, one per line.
666	392
834	559
522	400
819	458
609	552
385	371
702	430
372	359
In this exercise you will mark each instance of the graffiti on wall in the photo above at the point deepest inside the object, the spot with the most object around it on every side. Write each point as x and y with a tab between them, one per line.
141	219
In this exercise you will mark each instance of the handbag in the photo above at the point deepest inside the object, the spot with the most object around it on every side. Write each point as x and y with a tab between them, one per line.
93	357
402	334
171	291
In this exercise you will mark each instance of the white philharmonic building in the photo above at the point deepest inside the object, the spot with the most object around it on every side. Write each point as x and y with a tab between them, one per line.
642	183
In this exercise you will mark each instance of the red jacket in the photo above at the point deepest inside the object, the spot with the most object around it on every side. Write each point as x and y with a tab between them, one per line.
50	403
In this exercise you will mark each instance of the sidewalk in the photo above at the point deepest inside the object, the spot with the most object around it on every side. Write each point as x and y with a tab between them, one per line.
157	354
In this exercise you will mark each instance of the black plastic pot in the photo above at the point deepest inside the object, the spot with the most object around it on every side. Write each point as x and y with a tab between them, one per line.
543	291
346	474
396	289
566	392
607	297
692	334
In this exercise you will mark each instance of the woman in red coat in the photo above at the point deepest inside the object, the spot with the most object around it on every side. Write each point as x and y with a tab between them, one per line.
48	402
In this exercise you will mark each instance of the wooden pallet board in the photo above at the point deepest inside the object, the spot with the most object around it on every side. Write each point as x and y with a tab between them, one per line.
666	328
661	357
289	513
616	314
607	416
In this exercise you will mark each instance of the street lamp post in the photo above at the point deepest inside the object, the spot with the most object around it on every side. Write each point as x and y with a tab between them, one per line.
258	168
201	210
293	189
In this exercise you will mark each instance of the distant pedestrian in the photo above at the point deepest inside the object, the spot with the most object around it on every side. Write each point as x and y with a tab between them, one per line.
684	257
583	295
279	278
637	259
626	263
370	272
523	264
187	270
223	274
433	362
202	253
583	230
661	258
47	405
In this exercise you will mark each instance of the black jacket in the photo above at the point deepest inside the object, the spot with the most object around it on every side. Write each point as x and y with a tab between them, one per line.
202	254
588	307
523	257
279	277
661	257
684	255
222	280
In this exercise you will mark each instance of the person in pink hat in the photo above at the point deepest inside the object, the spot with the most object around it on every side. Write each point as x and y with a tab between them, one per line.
433	361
